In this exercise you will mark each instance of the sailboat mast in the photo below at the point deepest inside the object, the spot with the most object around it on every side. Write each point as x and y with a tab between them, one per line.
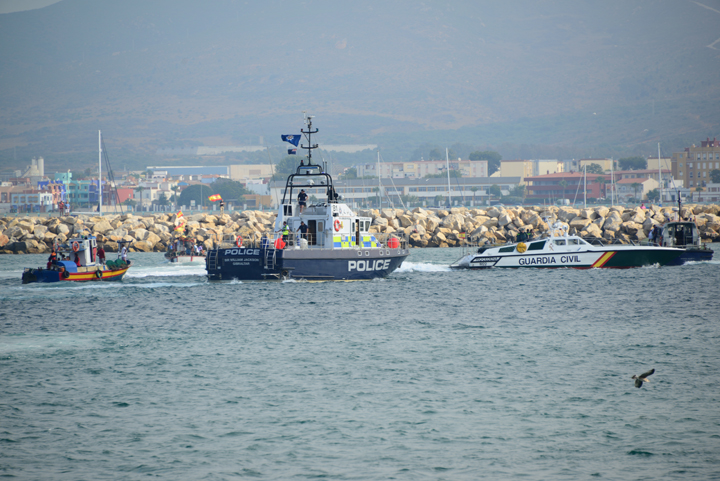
379	183
585	184
660	174
100	172
612	182
447	167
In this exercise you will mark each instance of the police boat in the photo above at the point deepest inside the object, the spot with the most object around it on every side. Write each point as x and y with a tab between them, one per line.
558	249
685	235
324	241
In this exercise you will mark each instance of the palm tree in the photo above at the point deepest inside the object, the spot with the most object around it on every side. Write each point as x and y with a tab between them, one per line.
635	186
474	189
563	183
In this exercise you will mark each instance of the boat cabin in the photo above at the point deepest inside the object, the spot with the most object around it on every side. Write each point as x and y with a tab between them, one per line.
680	234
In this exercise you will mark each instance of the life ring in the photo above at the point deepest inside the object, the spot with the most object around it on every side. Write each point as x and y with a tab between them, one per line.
75	246
337	224
98	274
521	247
239	241
65	274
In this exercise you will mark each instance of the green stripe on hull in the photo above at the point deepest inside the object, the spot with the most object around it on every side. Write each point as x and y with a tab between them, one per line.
639	258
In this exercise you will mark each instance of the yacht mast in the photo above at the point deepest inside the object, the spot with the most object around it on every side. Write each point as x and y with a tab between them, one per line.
447	167
585	184
660	174
379	183
612	182
99	172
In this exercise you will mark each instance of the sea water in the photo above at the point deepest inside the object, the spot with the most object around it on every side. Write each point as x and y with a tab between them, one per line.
428	374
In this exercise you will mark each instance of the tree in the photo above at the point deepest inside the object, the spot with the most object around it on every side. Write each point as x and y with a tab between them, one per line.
175	189
518	191
653	195
698	188
635	186
197	192
453	173
288	165
350	173
493	159
474	189
230	190
495	190
439	199
162	200
632	163
601	181
563	183
594	169
715	176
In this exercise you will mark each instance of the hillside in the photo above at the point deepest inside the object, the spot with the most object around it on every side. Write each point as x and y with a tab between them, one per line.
565	76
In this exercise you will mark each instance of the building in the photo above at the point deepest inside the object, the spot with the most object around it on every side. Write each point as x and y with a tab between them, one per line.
605	164
529	168
250	172
711	194
693	166
665	163
428	191
421	168
32	201
634	188
549	188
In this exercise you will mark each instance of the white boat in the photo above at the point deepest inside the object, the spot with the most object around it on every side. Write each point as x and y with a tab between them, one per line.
558	249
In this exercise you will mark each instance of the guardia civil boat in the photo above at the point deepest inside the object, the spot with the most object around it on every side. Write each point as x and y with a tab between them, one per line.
558	249
336	244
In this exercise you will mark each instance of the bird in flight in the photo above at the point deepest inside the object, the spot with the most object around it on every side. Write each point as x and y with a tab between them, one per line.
639	380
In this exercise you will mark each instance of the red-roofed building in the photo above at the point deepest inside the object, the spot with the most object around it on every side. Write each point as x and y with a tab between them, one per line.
565	185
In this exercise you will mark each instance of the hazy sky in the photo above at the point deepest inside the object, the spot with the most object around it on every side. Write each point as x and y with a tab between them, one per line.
7	6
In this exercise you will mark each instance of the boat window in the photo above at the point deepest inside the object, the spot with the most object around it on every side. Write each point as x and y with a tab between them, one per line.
573	242
507	249
537	246
559	242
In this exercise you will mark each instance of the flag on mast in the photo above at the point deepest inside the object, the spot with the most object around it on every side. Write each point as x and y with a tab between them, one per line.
215	197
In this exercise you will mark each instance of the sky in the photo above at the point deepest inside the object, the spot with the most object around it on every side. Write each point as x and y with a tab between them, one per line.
9	6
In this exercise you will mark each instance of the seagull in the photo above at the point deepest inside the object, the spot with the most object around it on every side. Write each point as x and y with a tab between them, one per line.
639	380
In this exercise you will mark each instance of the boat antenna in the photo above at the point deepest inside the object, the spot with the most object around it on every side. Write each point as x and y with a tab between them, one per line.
660	175
447	167
308	135
100	172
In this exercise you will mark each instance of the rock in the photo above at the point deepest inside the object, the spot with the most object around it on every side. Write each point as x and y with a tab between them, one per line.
580	222
102	227
631	228
142	246
380	221
592	230
39	231
4	240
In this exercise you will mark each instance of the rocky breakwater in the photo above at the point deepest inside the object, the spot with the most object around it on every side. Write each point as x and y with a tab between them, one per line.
423	227
445	228
149	233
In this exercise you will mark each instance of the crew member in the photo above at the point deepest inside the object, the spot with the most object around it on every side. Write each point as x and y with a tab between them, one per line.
302	200
222	207
101	254
303	229
285	231
123	253
52	259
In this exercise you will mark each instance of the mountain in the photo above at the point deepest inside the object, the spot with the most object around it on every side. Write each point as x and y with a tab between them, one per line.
574	76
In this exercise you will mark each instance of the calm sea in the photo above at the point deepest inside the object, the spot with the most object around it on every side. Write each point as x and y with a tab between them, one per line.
429	374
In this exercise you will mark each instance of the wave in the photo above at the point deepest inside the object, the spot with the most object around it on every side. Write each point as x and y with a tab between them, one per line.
166	271
423	267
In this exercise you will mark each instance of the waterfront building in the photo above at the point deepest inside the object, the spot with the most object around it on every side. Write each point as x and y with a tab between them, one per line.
549	188
421	168
693	166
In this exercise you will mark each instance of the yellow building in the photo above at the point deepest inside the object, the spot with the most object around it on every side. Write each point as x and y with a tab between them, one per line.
606	164
693	166
245	172
516	168
665	163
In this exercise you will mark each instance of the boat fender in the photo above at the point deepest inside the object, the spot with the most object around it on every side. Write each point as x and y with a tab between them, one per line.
98	274
284	274
337	225
521	247
65	274
75	246
239	241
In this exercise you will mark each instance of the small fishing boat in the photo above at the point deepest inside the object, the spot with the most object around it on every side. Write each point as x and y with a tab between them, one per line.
685	235
558	249
323	241
77	261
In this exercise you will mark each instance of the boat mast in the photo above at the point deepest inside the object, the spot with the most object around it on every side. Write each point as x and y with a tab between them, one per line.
100	172
379	185
612	182
585	184
447	167
660	174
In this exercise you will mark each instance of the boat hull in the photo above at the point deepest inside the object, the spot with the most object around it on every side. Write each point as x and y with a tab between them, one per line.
692	255
307	264
49	275
605	259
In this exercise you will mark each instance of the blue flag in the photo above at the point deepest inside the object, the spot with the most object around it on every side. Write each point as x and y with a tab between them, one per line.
292	151
293	139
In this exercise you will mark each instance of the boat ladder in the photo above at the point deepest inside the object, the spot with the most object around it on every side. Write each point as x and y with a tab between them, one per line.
270	258
212	259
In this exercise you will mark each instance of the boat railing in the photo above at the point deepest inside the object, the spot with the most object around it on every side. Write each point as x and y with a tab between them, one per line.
394	240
